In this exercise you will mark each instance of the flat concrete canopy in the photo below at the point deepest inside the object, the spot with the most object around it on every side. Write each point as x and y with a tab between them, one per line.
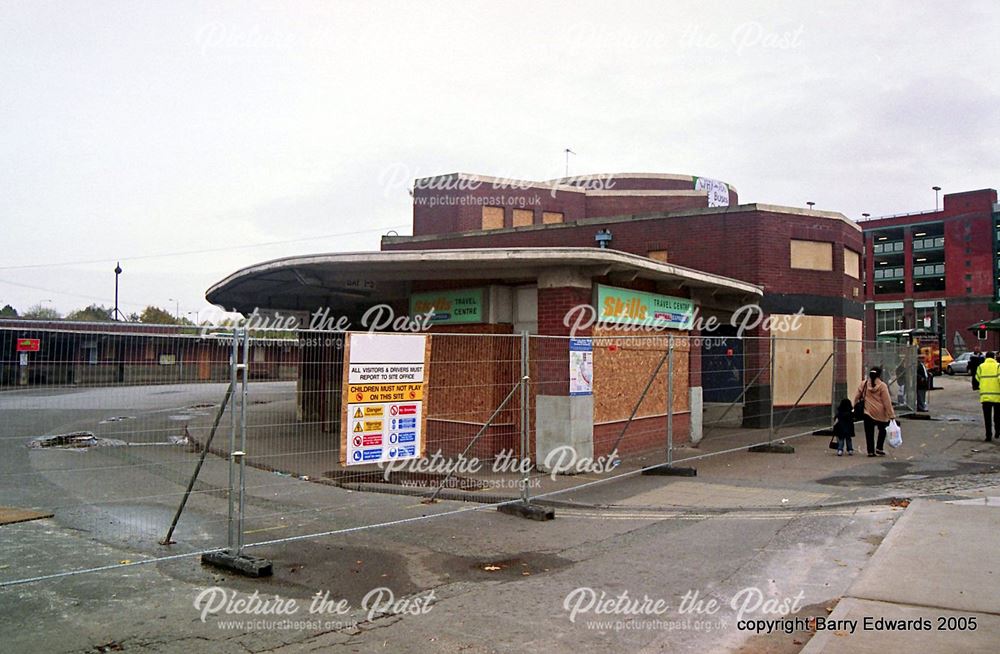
351	279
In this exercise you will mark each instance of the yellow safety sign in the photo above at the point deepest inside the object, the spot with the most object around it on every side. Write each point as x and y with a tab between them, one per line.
362	393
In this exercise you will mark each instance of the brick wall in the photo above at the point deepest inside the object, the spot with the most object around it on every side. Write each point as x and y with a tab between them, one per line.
749	245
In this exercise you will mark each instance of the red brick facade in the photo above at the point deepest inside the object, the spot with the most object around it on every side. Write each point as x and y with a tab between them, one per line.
968	221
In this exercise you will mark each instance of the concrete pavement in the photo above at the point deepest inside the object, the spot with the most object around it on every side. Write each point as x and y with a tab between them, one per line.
931	587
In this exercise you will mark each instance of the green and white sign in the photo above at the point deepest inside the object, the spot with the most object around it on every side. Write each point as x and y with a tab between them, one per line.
450	307
627	307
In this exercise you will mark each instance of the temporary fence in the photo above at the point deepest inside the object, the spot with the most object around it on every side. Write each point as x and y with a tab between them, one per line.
191	441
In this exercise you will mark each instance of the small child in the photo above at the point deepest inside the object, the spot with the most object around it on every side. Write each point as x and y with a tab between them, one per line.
843	429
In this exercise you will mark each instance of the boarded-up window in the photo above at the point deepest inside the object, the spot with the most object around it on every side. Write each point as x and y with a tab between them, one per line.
852	263
801	371
550	217
657	255
812	255
523	217
492	217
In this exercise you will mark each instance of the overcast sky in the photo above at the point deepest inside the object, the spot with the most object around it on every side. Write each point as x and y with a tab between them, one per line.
138	129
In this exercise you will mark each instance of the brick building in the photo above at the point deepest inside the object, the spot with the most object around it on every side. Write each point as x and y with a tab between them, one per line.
935	269
520	254
803	259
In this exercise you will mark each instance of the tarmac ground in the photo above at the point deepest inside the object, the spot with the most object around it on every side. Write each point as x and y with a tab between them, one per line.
808	532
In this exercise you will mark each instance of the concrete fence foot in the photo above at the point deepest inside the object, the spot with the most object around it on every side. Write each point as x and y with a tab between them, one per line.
528	511
773	448
667	470
248	566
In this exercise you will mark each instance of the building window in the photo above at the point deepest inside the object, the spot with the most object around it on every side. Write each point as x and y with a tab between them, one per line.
523	217
811	255
552	217
888	320
852	263
492	217
657	255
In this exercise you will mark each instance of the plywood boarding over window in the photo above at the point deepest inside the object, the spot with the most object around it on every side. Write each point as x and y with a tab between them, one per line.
551	217
523	217
811	255
798	356
470	375
852	263
855	332
657	255
623	364
492	217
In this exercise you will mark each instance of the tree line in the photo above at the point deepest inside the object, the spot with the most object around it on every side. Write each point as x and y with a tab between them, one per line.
95	313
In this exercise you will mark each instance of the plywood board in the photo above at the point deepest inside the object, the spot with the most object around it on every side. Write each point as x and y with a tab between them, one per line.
10	515
854	332
852	263
623	365
492	217
811	255
799	355
523	217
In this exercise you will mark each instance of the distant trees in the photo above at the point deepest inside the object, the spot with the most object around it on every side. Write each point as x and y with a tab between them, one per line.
39	312
96	313
157	316
93	313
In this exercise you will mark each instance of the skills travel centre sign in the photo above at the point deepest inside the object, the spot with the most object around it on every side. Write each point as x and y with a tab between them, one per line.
627	307
449	307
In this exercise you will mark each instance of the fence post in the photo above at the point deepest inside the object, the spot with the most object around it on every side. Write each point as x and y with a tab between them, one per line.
833	385
233	362
668	468
525	417
243	436
670	400
770	429
770	446
233	557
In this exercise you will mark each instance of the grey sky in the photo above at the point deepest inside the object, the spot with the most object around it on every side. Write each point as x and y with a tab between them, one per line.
136	129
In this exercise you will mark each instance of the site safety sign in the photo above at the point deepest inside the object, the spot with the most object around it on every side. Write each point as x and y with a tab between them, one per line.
385	381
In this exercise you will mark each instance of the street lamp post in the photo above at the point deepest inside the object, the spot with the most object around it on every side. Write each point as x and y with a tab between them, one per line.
936	189
810	205
118	271
177	309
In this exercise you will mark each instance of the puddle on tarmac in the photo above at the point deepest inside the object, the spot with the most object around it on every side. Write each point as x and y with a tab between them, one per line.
77	441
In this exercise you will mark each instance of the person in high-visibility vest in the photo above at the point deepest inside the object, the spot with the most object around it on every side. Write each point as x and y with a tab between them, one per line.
988	377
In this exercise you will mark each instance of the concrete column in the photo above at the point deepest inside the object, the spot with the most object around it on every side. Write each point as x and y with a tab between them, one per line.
563	423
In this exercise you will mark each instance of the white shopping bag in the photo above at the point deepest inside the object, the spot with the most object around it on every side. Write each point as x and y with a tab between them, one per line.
895	434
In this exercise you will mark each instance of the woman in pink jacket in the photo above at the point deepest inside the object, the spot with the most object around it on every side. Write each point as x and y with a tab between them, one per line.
878	410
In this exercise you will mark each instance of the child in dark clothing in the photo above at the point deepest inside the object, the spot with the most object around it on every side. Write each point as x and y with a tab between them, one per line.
843	429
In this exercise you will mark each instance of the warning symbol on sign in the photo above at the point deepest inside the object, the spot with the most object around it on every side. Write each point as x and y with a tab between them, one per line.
357	427
393	409
357	441
357	413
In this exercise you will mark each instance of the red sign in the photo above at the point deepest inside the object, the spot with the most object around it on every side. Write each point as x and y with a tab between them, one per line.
373	439
28	344
407	409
